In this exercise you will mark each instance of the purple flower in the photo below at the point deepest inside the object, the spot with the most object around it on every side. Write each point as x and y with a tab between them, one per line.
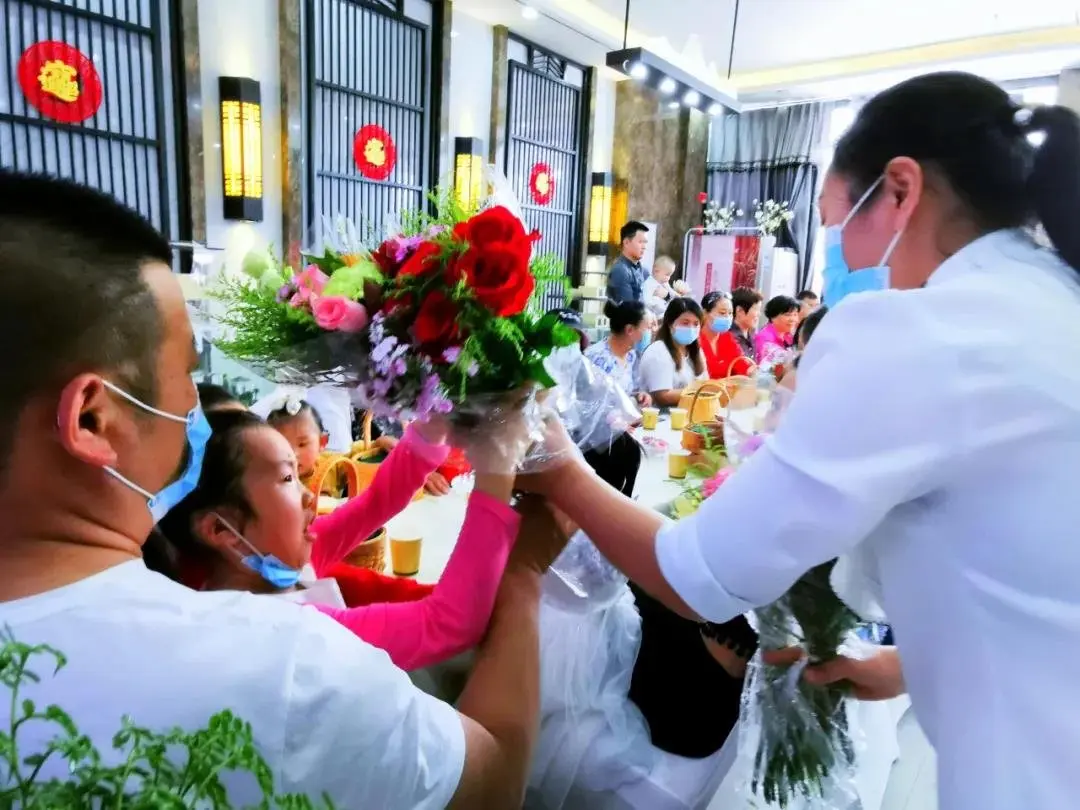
284	293
383	349
452	354
404	246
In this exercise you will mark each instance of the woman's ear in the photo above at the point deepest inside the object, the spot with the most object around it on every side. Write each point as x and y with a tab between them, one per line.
904	186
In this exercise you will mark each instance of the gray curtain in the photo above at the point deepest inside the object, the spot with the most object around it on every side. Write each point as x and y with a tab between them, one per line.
772	154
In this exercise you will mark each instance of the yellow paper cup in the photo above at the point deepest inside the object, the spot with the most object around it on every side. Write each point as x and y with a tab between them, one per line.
649	417
678	463
405	555
678	418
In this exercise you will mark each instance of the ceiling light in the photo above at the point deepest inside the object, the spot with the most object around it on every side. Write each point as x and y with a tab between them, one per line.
673	105
669	78
529	13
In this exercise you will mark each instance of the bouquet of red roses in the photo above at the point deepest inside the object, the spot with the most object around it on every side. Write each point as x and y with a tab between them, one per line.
439	318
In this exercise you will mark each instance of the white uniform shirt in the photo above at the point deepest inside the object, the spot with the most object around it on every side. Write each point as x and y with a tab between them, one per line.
329	712
936	438
658	372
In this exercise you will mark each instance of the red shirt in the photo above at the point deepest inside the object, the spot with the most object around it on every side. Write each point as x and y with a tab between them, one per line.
727	359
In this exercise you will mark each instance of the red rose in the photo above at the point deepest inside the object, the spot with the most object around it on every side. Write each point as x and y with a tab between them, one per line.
436	322
424	260
499	277
384	258
495	225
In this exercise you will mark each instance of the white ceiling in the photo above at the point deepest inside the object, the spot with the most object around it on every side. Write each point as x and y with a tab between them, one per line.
773	34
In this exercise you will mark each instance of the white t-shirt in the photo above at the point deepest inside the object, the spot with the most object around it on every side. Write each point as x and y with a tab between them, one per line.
656	303
329	712
658	371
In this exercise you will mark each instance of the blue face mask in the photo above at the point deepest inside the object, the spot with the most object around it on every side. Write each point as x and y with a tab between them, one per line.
840	280
719	324
685	335
643	344
267	566
198	434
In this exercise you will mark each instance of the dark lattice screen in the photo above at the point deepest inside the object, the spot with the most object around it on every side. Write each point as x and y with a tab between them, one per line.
128	148
543	133
367	64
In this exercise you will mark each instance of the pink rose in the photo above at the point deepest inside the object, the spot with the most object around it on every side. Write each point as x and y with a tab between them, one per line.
711	485
312	279
336	314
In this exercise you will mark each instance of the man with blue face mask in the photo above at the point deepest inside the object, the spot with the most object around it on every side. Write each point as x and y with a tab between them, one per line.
101	434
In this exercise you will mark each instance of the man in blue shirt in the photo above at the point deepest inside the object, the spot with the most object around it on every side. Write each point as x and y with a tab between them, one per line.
626	278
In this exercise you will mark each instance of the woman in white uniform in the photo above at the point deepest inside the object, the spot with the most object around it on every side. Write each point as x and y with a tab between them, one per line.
933	443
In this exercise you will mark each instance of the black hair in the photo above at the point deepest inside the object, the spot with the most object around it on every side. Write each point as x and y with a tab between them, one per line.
809	325
807	295
971	134
281	416
632	229
220	483
745	299
676	309
806	330
73	260
212	397
624	314
572	318
780	305
711	299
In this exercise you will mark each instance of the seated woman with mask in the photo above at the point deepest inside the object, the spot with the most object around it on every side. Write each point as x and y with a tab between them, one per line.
675	359
723	355
252	527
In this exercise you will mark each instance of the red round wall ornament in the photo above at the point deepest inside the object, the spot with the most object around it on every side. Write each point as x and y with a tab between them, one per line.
60	81
542	184
374	152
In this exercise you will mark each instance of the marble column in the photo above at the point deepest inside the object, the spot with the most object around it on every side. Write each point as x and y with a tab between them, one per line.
290	48
189	19
659	163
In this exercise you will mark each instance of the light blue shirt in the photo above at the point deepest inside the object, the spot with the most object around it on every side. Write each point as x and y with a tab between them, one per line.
624	372
934	449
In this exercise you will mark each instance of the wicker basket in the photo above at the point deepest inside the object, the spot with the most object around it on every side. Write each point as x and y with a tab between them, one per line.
703	436
363	453
329	463
702	401
370	554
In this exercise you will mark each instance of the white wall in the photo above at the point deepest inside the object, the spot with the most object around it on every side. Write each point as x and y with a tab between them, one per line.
240	38
603	142
471	47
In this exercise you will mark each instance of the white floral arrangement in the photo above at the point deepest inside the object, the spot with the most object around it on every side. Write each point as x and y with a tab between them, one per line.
771	216
720	218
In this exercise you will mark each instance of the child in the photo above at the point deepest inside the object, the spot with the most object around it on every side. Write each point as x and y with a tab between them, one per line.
250	525
658	290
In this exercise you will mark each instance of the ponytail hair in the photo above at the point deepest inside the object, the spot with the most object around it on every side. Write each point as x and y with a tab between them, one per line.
970	133
624	314
1054	185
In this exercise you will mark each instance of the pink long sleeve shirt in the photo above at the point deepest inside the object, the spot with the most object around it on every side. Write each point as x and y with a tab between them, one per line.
455	616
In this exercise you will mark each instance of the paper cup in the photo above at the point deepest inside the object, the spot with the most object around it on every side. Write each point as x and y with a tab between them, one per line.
649	417
405	555
678	418
678	463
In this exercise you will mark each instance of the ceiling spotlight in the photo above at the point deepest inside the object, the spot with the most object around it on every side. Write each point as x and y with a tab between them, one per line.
715	109
529	13
692	98
667	86
673	105
638	71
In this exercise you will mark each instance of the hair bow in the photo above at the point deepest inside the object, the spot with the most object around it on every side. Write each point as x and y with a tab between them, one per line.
290	400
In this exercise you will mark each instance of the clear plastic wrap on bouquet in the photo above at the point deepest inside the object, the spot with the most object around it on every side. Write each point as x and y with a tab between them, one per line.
797	734
592	406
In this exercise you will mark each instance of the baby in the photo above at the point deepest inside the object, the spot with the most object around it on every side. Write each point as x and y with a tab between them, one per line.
658	289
